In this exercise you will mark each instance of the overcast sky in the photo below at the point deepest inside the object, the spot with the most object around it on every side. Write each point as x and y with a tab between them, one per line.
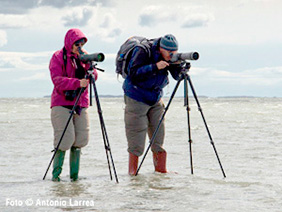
240	42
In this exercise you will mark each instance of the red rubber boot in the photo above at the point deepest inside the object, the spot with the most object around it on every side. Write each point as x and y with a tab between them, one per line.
132	164
159	159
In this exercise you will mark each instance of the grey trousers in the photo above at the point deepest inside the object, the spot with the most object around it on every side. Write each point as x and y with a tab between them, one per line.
77	133
141	119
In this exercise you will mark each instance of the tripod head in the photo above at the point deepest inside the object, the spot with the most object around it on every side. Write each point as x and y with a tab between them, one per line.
185	67
90	71
93	66
90	75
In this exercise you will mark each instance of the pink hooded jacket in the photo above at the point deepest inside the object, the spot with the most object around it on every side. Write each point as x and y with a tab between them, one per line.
64	79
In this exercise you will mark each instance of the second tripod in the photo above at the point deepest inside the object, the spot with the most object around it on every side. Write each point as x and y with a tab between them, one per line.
186	78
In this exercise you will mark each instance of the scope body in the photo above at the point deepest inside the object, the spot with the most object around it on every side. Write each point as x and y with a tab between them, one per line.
185	56
98	57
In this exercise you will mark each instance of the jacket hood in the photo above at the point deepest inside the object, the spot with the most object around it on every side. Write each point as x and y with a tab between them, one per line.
72	36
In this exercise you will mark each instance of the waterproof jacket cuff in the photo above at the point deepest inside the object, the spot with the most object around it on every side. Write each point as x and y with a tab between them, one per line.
154	68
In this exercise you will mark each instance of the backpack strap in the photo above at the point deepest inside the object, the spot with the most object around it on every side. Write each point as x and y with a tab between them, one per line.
144	44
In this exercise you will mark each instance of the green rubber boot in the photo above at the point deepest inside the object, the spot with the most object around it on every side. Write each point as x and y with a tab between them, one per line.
58	165
74	163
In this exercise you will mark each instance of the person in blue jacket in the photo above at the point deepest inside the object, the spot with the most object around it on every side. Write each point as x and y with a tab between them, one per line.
143	90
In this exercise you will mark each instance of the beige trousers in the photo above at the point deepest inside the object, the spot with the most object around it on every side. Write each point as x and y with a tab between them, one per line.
141	119
77	133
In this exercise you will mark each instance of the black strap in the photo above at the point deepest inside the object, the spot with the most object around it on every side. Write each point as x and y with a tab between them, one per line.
65	59
80	71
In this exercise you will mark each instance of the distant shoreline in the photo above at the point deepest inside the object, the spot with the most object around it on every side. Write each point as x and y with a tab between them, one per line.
199	96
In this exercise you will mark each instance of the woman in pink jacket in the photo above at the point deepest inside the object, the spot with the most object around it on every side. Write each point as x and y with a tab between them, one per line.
68	76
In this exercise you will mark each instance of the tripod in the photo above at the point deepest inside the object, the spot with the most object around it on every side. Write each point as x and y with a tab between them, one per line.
186	78
102	123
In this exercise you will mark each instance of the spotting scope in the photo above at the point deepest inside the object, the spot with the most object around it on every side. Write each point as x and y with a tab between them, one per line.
185	56
98	57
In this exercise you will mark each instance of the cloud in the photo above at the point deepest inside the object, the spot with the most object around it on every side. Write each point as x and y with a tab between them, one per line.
197	20
3	38
14	21
193	16
264	76
109	28
109	34
23	6
16	6
72	3
253	77
78	19
114	32
37	76
108	21
14	61
153	15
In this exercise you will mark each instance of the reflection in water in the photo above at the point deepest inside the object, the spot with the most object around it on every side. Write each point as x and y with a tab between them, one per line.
69	189
72	196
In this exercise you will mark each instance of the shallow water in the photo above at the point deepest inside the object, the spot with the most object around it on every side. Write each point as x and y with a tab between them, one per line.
247	135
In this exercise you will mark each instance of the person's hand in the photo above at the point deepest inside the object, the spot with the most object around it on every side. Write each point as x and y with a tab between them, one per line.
84	83
162	64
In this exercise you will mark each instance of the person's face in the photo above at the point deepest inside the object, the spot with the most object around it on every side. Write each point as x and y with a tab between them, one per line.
76	46
167	55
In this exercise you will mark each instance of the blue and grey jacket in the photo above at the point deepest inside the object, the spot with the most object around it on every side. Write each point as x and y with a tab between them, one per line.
145	82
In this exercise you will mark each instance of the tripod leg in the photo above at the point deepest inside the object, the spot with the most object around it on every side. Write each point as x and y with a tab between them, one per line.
186	104
104	134
157	129
205	123
90	91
